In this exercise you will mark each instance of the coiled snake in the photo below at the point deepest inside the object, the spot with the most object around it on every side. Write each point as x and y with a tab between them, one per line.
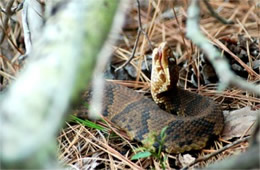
191	119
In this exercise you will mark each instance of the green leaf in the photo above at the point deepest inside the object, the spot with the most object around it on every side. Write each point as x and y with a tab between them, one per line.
140	155
86	123
162	134
140	149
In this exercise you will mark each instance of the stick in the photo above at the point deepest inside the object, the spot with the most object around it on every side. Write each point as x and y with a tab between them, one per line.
140	30
8	12
226	76
217	152
35	105
214	14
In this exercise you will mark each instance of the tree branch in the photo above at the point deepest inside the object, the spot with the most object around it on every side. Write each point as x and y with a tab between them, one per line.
226	76
33	108
214	14
140	30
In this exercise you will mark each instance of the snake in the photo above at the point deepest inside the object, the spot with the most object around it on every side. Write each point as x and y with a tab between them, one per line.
190	120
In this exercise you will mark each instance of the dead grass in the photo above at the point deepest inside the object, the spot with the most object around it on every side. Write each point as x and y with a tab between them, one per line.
84	148
160	29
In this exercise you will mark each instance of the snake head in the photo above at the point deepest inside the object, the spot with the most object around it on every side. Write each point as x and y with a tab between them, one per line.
165	72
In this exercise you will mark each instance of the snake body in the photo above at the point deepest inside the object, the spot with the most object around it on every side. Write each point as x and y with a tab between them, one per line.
191	119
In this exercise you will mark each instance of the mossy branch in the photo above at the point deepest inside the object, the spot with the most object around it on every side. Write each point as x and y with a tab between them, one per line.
59	66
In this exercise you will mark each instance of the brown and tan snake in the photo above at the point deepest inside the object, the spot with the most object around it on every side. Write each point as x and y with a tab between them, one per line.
191	119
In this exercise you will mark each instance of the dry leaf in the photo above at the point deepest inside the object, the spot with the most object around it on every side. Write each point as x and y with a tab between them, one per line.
239	122
186	159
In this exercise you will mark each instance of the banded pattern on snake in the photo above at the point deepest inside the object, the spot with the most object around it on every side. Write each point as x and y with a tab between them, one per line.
191	119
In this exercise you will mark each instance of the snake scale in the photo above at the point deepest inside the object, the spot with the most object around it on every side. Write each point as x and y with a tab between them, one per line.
191	119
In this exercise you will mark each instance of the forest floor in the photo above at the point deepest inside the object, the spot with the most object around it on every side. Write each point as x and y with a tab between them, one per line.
84	145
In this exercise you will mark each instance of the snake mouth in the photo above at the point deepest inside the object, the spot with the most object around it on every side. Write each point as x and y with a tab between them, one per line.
160	72
164	70
162	62
166	62
160	53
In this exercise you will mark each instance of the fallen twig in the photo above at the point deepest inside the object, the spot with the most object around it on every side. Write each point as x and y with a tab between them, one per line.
246	160
226	76
140	30
8	12
217	152
214	14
